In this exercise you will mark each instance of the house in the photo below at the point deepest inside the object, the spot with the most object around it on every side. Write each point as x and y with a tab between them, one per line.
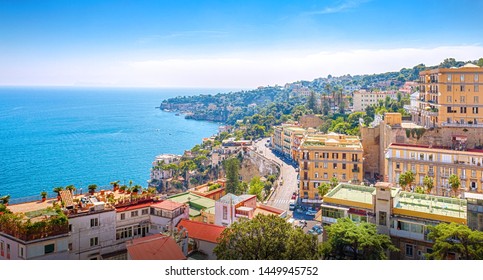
202	237
165	215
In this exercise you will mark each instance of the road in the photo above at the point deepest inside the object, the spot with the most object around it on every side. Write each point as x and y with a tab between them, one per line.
283	194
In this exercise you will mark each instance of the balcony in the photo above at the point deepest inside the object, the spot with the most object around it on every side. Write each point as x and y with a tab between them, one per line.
457	124
356	170
407	234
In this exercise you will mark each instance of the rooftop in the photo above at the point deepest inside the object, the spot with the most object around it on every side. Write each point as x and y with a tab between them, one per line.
347	194
195	202
167	205
234	199
202	231
154	247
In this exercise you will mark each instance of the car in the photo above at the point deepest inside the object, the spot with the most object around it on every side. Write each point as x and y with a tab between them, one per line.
294	196
318	229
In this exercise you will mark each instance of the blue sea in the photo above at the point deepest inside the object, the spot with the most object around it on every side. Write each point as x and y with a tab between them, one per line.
60	136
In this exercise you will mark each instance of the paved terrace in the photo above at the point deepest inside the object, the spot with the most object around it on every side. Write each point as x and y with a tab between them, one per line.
195	202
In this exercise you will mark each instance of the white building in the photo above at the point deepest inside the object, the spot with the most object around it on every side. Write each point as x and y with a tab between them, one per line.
362	98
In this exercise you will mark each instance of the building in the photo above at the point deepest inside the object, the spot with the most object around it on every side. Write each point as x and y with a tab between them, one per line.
286	139
201	209
326	156
202	238
212	190
362	98
475	210
404	216
436	162
165	215
230	208
154	247
159	175
228	148
449	97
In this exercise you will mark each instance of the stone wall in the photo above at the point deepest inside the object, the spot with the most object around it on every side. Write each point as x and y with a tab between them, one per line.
310	121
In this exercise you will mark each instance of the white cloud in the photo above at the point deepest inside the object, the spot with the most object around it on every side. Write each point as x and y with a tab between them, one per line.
241	70
339	8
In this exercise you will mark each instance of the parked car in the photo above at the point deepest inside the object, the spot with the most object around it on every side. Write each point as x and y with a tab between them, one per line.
318	229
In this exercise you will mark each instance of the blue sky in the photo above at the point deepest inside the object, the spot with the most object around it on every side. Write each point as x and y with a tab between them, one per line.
227	43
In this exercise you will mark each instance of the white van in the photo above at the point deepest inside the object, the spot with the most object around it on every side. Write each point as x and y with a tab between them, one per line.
291	206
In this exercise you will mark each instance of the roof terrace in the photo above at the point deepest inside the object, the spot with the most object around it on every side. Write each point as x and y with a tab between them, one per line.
351	195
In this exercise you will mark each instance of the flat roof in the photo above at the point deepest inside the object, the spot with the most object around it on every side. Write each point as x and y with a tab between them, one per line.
349	192
431	204
167	205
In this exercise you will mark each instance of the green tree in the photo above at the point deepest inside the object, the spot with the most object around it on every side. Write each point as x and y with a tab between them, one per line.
256	188
406	179
266	237
455	238
333	182
312	102
70	188
232	167
348	240
428	183
57	190
480	62
323	189
454	182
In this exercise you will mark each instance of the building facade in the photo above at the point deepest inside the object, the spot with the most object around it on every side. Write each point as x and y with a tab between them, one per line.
438	163
450	97
326	156
362	98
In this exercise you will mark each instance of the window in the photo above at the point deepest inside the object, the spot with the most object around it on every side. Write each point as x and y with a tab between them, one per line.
463	110
449	99
134	213
95	222
334	175
326	176
382	218
448	88
70	247
409	250
477	88
326	165
8	251
344	156
2	248
448	110
144	212
421	156
316	164
334	165
475	110
462	77
344	176
449	77
20	252
225	212
123	216
462	88
462	99
398	165
316	155
70	227
94	241
50	248
430	157
343	166
475	99
316	175
413	155
476	77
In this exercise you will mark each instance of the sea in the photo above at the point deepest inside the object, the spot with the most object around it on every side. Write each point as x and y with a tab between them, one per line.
59	136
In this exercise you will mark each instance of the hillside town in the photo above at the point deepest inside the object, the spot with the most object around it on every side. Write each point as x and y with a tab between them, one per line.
404	172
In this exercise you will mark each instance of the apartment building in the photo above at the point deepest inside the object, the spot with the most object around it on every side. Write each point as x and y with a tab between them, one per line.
439	163
362	98
326	156
286	139
404	216
449	97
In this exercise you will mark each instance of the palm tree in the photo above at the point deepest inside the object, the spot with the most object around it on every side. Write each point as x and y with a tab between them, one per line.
115	184
58	190
5	199
428	183
410	178
323	189
92	188
403	182
454	182
70	188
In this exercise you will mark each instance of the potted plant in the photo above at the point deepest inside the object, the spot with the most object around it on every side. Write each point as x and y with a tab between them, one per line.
115	185
135	189
57	190
43	195
5	199
122	188
92	188
70	188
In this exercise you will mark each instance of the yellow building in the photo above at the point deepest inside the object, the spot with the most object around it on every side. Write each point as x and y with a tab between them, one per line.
286	138
449	97
437	163
404	216
324	156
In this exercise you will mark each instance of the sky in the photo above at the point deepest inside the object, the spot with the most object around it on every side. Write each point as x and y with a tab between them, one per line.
227	44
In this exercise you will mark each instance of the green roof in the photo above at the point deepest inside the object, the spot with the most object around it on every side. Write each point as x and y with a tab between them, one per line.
425	203
195	202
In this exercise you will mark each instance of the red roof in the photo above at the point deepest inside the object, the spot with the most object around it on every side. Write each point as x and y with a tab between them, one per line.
134	206
155	247
271	209
202	231
168	205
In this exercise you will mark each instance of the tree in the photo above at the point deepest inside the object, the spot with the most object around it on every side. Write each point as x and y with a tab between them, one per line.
406	179
232	166
333	182
323	189
348	240
256	188
428	183
57	190
70	188
455	238
454	182
312	102
266	237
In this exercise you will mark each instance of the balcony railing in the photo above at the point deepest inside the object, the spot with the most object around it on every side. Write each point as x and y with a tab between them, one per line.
454	124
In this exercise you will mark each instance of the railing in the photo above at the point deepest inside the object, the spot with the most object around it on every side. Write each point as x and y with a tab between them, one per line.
446	124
